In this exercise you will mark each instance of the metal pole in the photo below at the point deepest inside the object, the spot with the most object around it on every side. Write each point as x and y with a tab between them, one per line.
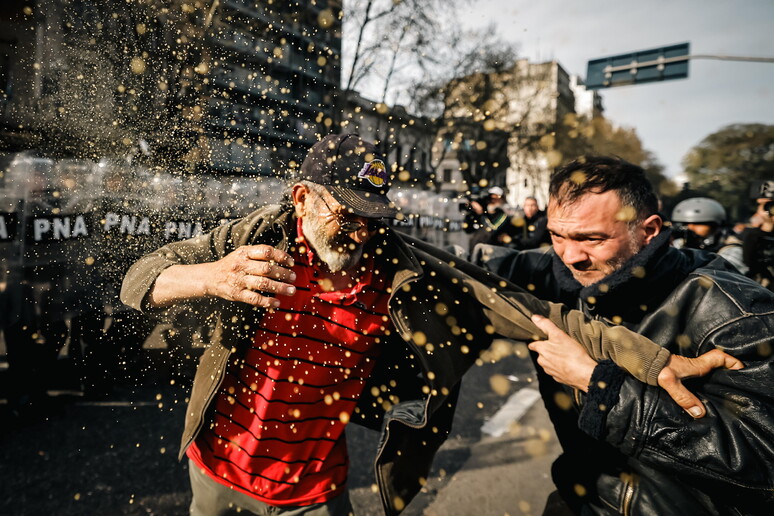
661	61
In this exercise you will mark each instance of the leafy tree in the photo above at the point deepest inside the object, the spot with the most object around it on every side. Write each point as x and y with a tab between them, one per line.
725	164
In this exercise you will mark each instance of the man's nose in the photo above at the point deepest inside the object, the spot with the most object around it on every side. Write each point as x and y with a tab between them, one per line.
574	253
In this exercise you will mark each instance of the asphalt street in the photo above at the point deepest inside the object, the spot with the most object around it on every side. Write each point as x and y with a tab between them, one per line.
118	455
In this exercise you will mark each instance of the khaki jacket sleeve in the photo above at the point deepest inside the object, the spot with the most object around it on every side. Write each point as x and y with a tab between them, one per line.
204	248
511	313
510	308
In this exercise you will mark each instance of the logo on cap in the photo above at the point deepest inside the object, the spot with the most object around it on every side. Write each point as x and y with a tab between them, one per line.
375	172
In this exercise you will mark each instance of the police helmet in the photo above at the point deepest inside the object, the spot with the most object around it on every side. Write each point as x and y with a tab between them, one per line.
699	210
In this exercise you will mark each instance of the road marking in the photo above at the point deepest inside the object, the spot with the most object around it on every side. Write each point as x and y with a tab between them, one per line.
513	410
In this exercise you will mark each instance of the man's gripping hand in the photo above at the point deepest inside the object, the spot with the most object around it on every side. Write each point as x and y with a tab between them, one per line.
561	356
679	367
252	274
567	362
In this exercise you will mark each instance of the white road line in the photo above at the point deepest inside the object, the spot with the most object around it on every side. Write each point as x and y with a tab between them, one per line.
513	410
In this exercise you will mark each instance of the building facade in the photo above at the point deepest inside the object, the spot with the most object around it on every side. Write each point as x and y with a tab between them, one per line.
275	72
516	125
546	104
228	86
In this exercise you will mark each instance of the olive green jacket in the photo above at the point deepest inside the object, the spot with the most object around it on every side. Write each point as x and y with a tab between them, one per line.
446	312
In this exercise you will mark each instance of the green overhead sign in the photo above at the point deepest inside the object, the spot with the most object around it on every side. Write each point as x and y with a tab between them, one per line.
657	64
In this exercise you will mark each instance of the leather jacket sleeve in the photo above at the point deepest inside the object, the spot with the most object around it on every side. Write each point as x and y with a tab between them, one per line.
733	445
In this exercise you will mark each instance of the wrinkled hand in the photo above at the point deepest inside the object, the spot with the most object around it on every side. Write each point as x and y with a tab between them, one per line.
680	367
561	356
251	274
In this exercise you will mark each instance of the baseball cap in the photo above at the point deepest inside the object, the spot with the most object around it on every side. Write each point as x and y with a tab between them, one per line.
496	190
353	171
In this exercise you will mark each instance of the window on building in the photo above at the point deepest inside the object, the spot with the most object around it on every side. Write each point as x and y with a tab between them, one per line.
447	175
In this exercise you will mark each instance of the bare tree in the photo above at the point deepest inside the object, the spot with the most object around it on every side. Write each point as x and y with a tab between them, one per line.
387	41
460	89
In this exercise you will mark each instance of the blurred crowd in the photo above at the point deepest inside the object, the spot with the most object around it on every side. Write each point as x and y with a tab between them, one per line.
697	223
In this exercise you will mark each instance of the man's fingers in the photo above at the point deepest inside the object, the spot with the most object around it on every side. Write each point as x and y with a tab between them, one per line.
265	284
269	270
256	299
546	326
705	363
723	359
267	253
682	396
733	363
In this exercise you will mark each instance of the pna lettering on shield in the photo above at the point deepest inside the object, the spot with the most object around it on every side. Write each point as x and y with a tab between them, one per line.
59	228
182	229
126	224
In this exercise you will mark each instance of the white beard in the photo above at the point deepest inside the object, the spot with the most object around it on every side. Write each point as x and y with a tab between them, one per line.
334	252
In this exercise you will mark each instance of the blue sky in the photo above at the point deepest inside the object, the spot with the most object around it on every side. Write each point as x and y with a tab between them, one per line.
672	116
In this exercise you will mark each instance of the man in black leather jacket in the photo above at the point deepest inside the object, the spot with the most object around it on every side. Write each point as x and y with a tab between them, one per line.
626	448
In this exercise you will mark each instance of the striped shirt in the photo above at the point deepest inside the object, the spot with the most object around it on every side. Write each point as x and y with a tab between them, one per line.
277	432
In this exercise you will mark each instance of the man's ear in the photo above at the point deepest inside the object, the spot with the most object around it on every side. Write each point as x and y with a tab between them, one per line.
652	227
301	198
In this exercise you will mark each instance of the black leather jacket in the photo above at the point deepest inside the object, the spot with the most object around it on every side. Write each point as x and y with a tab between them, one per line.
628	448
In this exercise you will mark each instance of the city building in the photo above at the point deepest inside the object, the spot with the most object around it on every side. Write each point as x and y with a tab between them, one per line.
512	127
275	71
225	86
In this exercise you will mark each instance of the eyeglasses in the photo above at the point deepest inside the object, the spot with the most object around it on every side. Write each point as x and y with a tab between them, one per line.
350	226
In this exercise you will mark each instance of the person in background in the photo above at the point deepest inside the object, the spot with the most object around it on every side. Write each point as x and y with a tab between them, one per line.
758	240
699	224
528	232
490	217
624	449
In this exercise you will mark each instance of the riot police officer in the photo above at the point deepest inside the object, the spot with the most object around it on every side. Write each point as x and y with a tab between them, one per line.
699	224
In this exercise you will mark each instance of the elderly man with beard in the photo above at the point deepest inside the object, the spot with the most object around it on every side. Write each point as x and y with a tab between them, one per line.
626	450
324	315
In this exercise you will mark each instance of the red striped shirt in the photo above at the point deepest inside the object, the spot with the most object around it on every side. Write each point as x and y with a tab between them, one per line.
278	428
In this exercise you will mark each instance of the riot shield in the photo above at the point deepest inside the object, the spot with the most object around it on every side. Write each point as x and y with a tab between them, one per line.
18	315
127	228
11	205
240	195
434	218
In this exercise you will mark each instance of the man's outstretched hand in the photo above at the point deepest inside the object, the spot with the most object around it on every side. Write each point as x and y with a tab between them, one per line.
679	367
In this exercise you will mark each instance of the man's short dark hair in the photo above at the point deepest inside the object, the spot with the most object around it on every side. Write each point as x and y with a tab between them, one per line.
599	174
